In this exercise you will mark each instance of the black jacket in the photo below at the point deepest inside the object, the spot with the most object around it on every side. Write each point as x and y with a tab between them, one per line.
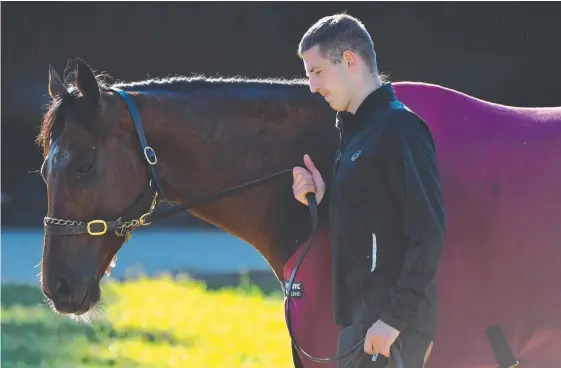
386	215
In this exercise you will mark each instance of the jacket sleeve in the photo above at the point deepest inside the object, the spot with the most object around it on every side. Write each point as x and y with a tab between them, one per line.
415	182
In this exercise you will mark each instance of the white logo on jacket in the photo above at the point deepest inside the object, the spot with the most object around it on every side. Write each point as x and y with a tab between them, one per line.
355	155
374	252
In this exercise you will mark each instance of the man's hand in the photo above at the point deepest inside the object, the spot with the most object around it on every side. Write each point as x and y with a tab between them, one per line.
307	181
379	338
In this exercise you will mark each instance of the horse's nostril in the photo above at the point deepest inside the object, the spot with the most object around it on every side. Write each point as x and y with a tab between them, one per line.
62	287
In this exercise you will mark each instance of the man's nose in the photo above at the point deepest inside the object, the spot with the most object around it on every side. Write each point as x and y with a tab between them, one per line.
314	86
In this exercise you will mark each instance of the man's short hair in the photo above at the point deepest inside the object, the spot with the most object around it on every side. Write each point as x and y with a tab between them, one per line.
337	33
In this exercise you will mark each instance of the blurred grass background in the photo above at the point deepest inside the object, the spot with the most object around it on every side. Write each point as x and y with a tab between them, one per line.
149	322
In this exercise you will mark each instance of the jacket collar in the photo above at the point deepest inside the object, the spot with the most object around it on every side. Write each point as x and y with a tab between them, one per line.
377	99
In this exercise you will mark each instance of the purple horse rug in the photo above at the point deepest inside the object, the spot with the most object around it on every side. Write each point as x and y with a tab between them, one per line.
311	309
500	168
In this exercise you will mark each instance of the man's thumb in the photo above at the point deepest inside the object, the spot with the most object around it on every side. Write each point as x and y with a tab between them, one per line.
309	164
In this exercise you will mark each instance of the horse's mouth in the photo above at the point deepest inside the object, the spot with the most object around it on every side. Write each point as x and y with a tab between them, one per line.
77	307
69	309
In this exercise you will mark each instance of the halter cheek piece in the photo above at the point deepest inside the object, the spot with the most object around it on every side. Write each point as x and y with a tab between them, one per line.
134	216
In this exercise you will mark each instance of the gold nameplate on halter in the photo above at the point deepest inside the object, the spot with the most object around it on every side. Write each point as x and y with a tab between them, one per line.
102	232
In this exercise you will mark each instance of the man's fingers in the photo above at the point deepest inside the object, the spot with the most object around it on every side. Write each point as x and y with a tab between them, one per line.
385	351
316	175
297	170
301	190
302	175
304	181
309	164
368	348
301	187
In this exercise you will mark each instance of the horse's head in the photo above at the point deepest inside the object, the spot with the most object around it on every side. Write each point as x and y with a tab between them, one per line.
94	172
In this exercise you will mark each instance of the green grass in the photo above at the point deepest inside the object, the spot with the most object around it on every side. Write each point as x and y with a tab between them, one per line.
148	323
33	336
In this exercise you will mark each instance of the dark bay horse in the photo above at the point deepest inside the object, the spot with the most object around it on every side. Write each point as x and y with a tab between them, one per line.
500	169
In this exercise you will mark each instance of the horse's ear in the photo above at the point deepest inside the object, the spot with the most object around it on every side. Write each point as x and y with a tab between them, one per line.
86	81
56	87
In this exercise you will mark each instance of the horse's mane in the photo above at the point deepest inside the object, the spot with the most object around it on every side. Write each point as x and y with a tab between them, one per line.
184	83
53	119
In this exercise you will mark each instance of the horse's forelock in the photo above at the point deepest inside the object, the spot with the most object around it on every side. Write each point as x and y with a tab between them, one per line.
54	119
52	122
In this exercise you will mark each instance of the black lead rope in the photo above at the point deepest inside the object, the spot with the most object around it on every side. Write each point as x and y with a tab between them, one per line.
355	350
152	160
396	356
180	208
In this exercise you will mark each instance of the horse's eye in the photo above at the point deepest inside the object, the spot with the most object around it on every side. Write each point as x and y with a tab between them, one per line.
85	167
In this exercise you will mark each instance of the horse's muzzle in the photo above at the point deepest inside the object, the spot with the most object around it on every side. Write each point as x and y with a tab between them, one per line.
72	296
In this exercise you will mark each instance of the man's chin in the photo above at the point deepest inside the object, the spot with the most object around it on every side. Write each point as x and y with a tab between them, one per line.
333	105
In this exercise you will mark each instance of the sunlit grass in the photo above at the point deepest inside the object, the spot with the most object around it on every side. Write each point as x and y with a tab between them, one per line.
151	323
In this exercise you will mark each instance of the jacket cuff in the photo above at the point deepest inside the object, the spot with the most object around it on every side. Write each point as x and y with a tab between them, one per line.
394	321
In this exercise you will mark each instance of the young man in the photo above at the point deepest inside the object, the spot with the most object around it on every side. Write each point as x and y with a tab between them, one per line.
387	217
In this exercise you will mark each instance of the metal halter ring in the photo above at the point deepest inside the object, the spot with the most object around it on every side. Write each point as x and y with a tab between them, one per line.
152	153
142	220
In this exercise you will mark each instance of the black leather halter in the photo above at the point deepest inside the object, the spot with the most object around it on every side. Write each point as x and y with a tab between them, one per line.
141	212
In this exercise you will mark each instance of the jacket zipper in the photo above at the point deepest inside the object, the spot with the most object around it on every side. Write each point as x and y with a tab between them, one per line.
340	151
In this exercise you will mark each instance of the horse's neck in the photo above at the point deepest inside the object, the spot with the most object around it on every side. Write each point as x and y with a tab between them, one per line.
208	147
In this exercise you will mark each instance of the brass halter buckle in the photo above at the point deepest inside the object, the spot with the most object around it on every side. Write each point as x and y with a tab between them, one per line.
97	233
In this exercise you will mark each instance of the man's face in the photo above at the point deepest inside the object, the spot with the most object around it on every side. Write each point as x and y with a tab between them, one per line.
332	81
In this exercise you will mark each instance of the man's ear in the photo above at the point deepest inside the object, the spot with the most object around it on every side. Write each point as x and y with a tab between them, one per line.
349	58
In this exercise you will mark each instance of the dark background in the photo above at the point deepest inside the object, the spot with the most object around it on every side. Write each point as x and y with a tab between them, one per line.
508	53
